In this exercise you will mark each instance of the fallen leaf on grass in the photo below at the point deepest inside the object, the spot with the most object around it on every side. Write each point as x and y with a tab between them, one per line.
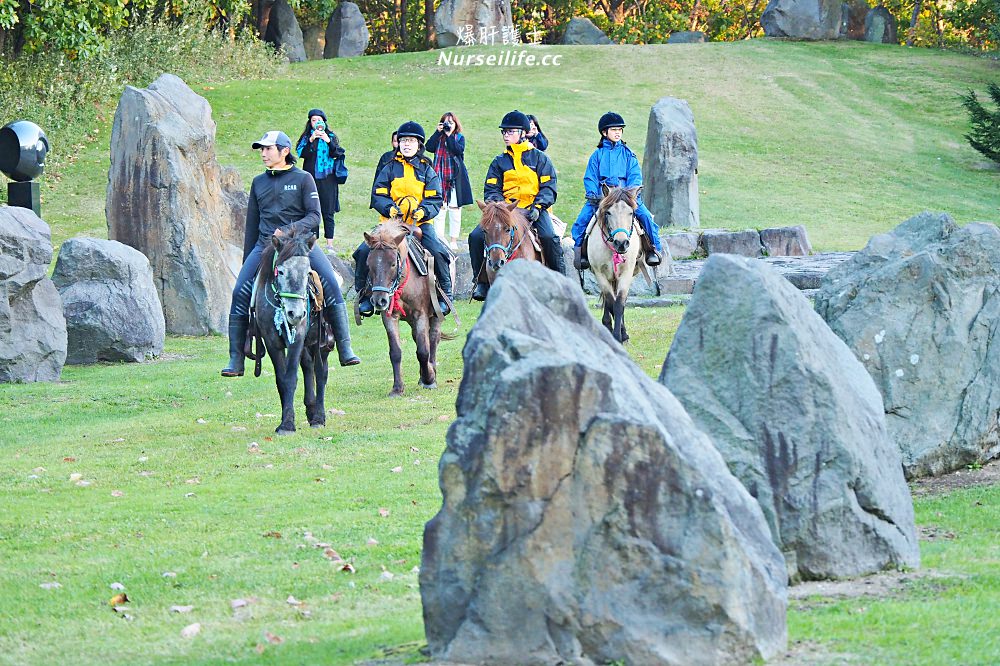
272	534
372	542
201	421
50	586
414	449
331	554
117	493
181	609
193	481
383	512
443	417
188	494
260	648
143	458
417	461
336	412
239	428
118	587
83	483
348	567
119	599
320	479
169	574
146	473
273	639
69	459
396	470
39	470
75	476
386	575
238	603
292	601
118	439
191	630
327	467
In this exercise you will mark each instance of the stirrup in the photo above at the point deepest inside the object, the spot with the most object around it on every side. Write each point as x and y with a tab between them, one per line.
653	258
479	293
365	307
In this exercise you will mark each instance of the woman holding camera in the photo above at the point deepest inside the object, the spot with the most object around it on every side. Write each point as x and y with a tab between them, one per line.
534	135
448	145
323	157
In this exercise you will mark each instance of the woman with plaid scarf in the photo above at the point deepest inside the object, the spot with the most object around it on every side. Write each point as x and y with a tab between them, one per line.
448	145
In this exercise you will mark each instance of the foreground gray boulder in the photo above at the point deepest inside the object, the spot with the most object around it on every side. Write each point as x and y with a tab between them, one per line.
169	198
347	33
453	17
585	518
582	31
797	418
32	327
803	19
109	300
920	307
670	164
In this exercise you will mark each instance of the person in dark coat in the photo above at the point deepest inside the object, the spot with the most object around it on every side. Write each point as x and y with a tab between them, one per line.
282	196
320	151
387	157
448	146
535	135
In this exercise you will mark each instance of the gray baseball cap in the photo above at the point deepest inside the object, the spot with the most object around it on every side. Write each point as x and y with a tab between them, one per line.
273	138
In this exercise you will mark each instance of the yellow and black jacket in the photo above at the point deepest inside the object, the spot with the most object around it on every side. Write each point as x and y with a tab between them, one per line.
523	174
414	177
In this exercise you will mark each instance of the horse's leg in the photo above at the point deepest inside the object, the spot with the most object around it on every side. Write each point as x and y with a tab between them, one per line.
285	368
308	383
422	338
321	368
607	302
619	312
435	341
395	354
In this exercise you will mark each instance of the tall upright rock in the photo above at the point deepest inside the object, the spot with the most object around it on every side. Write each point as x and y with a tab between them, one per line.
585	518
803	19
347	33
485	18
797	418
670	164
169	198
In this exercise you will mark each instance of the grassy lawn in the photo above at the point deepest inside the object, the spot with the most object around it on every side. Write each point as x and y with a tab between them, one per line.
179	470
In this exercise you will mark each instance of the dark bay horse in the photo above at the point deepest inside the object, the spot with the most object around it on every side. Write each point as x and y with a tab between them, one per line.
289	327
614	253
508	237
400	292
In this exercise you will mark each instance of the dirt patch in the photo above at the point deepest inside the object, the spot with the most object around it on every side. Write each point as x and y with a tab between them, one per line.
885	584
987	475
808	653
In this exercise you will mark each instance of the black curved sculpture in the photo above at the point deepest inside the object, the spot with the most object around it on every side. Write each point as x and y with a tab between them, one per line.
23	147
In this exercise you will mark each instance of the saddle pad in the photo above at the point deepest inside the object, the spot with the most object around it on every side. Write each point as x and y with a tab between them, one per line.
316	291
416	251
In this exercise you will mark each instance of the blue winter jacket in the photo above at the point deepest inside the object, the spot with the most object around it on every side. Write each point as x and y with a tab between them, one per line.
613	164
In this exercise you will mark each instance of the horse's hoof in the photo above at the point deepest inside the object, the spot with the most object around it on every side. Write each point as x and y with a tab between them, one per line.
396	394
283	432
318	424
428	386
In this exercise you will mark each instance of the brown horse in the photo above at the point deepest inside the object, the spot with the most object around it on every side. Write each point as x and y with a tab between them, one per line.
508	237
400	292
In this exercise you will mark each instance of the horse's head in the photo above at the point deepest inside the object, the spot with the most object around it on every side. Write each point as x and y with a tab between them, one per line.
386	259
616	214
500	227
290	267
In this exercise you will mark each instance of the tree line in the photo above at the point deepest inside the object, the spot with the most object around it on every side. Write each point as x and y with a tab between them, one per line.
80	28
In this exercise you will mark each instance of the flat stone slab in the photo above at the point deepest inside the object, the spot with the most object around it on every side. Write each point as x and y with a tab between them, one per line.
805	273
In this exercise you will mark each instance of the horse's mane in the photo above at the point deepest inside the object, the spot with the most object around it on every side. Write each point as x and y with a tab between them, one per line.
614	195
497	212
294	235
384	234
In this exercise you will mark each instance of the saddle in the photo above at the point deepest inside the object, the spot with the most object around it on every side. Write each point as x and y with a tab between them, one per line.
314	291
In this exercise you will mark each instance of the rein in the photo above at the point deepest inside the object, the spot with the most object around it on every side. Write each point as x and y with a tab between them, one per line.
395	290
280	322
510	249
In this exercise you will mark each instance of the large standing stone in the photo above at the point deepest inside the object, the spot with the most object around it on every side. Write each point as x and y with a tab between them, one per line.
670	164
797	418
169	198
284	32
457	17
802	19
880	26
32	327
582	31
346	34
111	307
686	37
920	306
585	518
786	242
314	40
744	243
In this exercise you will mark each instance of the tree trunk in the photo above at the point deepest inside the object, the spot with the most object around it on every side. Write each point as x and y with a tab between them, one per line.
402	24
912	32
430	35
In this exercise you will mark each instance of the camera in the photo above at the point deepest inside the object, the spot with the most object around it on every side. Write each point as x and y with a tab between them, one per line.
447	126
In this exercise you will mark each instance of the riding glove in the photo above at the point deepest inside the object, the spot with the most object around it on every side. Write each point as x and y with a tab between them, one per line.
393	212
532	214
419	214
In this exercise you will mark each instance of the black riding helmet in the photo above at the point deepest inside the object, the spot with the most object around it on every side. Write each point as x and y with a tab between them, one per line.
608	120
515	120
410	128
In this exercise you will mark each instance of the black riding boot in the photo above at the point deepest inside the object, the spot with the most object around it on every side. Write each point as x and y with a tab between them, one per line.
361	281
238	325
337	316
443	271
582	262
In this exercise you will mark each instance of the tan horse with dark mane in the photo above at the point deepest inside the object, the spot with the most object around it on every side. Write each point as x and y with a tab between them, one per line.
509	236
400	292
614	253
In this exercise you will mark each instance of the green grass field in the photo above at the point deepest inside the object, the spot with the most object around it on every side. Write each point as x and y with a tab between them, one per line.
179	470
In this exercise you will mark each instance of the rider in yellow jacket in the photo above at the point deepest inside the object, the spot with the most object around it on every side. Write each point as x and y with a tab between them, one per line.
524	174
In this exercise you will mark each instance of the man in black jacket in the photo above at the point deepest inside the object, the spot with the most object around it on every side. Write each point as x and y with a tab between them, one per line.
281	196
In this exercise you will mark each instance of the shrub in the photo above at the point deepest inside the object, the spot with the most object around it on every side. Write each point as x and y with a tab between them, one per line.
985	133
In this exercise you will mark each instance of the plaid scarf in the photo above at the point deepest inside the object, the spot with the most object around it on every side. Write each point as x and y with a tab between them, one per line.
442	164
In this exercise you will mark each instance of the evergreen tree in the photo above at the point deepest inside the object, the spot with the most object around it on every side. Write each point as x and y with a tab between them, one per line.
985	134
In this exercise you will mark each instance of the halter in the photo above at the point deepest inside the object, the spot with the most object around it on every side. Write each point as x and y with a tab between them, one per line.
616	257
509	250
280	322
394	290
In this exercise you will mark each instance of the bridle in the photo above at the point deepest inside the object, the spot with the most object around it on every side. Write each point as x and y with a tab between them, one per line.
393	290
510	249
280	322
